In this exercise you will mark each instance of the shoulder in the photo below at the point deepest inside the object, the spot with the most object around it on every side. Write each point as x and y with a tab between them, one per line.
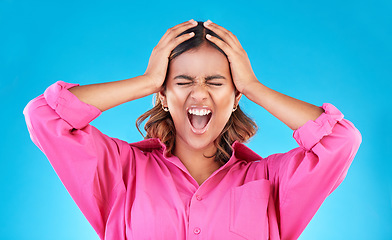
147	145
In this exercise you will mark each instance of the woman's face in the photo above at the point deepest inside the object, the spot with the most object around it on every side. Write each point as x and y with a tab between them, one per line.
200	95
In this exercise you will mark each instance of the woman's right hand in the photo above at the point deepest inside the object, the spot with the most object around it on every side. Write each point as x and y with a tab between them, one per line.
159	59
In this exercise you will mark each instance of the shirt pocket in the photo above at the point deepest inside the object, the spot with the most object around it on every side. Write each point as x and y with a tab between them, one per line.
248	210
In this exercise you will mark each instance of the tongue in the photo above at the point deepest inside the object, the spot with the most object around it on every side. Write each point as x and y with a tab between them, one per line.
199	122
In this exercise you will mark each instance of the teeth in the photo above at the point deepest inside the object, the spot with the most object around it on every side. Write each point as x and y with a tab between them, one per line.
199	112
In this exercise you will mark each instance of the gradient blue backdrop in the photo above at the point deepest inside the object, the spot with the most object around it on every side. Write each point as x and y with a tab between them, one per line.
336	51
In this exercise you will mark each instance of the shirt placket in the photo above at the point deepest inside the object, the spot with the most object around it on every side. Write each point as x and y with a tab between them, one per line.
198	209
196	212
198	206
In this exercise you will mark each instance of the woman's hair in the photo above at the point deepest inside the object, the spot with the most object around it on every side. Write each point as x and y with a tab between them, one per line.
160	123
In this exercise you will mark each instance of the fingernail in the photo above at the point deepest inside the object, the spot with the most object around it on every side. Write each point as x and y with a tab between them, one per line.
193	22
207	22
208	36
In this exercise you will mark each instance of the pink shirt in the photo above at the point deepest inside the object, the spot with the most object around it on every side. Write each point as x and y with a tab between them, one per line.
135	191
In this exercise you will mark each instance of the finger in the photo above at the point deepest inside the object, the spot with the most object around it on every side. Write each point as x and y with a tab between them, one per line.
173	32
181	39
222	32
221	44
176	30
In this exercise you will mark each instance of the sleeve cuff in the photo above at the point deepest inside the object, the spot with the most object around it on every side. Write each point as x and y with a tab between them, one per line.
312	132
77	113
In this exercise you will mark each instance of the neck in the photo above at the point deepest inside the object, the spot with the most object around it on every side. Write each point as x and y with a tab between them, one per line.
199	166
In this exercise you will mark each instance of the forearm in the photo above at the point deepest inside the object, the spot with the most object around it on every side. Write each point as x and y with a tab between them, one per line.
110	94
292	112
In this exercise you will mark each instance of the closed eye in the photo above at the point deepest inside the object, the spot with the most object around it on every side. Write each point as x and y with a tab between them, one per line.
215	84
183	83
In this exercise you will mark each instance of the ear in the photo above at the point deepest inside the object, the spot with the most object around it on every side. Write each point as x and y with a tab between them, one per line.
162	97
238	96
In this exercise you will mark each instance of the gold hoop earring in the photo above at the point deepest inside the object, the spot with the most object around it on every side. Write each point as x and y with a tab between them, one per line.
166	109
235	108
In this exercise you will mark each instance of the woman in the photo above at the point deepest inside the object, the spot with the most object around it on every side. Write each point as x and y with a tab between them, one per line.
192	177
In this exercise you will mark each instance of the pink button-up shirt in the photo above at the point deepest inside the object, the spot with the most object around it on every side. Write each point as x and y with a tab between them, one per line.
136	191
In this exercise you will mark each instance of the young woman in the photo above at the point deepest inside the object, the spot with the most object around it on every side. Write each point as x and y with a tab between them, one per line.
192	177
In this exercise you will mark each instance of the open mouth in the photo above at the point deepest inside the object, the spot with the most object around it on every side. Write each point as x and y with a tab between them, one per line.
199	119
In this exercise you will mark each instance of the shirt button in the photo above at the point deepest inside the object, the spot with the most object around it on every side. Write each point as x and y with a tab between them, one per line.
196	230
198	197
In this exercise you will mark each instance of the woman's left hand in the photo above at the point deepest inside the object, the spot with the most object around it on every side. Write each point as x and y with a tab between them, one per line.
241	68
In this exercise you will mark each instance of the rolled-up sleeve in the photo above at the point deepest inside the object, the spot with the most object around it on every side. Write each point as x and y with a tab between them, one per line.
305	176
87	161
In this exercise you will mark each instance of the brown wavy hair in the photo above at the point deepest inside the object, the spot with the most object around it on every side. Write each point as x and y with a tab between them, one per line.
160	123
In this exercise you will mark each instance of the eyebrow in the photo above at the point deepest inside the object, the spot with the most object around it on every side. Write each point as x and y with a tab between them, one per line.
216	76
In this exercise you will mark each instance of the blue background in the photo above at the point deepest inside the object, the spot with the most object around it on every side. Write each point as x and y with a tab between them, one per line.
336	51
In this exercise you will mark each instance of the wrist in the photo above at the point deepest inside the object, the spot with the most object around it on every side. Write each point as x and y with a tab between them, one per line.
152	84
251	87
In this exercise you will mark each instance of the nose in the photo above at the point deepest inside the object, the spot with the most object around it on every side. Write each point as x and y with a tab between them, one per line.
199	92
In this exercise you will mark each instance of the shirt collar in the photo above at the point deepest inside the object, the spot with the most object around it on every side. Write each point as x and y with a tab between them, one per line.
147	145
240	151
